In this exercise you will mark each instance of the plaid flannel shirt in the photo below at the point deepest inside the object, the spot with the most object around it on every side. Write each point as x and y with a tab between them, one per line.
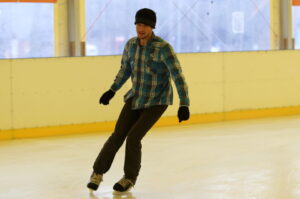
150	68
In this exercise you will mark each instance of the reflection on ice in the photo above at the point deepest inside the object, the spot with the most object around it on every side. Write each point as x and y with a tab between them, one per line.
243	159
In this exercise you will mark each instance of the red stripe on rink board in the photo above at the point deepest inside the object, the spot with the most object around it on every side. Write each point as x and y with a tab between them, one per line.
296	3
28	1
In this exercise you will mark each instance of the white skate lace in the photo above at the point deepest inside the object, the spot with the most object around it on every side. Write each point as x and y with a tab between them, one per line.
125	182
96	178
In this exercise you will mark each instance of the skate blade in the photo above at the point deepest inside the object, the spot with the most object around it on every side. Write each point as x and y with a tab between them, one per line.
125	193
91	191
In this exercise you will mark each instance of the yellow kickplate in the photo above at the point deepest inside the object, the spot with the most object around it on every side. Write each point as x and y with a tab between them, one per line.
164	121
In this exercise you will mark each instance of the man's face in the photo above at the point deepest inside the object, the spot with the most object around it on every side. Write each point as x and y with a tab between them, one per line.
143	31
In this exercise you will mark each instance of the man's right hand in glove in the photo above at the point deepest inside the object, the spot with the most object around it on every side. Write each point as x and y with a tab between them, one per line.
106	97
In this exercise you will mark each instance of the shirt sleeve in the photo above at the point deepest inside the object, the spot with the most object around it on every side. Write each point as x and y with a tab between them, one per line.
124	72
170	60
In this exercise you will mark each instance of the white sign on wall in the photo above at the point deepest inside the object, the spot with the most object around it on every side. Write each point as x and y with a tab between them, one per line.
238	22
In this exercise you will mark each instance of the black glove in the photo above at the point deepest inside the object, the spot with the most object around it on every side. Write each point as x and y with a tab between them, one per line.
183	113
106	97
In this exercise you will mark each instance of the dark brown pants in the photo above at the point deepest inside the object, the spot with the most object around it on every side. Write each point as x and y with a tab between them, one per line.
133	124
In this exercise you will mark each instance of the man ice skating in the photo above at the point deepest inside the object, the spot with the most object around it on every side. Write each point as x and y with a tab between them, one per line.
150	62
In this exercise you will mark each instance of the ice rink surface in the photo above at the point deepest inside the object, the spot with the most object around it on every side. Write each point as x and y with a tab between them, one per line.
249	159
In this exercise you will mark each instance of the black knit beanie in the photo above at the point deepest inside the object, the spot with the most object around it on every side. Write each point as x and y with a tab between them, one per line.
146	16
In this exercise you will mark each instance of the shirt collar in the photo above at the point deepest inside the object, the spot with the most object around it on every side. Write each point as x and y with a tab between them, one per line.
148	43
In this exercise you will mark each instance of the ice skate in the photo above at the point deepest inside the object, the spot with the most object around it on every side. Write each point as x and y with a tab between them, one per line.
123	185
95	180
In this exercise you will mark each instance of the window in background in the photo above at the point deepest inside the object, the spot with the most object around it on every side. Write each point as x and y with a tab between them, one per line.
190	25
26	30
296	26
